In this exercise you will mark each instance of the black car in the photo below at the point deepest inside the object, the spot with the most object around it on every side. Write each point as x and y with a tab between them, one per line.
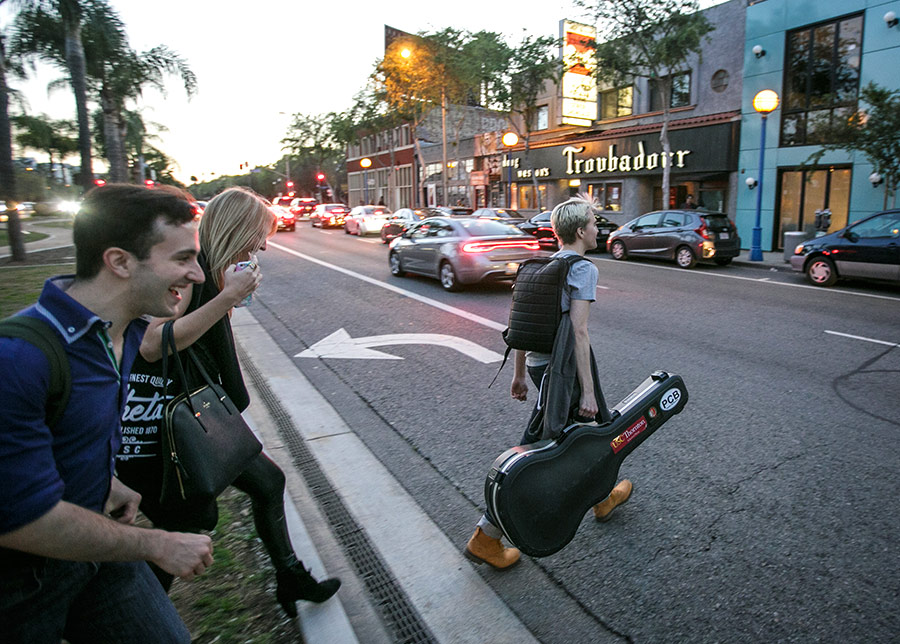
403	219
687	236
869	249
540	227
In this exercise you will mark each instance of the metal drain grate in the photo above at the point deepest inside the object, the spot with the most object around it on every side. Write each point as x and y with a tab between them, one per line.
400	617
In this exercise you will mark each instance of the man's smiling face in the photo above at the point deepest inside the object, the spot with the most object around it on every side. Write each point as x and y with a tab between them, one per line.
170	268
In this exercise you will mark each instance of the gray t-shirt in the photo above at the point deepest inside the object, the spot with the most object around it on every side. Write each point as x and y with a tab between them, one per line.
581	284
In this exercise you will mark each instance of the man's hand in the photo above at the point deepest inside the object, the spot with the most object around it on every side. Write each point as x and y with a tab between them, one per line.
122	503
519	388
183	555
587	406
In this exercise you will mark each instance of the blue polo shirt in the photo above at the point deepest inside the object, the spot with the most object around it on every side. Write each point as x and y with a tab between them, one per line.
73	462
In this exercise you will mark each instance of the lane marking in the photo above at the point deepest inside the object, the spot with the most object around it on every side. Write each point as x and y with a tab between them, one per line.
859	337
368	241
757	280
340	345
477	319
605	288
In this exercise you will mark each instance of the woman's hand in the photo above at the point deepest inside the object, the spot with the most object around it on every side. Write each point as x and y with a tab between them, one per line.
238	284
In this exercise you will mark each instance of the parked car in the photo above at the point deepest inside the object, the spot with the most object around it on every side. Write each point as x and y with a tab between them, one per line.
500	214
868	249
328	214
398	222
363	220
687	236
461	251
540	227
286	219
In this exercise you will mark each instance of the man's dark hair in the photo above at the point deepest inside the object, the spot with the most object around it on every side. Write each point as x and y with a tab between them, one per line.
124	216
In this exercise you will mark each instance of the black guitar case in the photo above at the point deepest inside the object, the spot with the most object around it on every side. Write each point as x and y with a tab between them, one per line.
539	493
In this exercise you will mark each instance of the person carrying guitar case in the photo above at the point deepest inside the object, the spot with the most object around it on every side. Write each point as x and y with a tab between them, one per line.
566	379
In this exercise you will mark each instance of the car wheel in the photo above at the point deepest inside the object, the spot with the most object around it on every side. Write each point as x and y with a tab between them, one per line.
448	278
293	228
396	265
684	257
723	261
617	250
820	272
384	239
346	230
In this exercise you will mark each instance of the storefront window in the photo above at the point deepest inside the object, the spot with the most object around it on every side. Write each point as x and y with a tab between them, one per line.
821	79
608	195
802	192
528	199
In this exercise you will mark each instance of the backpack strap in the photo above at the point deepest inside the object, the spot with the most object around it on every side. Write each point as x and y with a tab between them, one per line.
39	333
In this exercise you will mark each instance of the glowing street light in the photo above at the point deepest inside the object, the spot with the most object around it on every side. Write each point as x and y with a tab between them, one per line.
366	164
510	139
765	102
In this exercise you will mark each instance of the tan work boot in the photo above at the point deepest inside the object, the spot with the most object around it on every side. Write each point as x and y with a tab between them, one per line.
482	548
618	496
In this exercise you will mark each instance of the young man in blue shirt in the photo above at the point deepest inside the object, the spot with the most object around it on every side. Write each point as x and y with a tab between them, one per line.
71	564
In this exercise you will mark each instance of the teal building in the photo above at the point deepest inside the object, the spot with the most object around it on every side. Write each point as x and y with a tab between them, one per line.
817	55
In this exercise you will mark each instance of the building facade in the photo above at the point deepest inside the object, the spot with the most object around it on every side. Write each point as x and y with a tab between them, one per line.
817	55
618	158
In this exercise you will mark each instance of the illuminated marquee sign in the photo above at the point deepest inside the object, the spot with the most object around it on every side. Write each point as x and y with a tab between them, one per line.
579	87
612	162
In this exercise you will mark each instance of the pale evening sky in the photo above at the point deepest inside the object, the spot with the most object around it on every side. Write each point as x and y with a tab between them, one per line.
254	60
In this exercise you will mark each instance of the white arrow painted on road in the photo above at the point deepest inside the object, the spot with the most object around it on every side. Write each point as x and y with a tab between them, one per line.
340	345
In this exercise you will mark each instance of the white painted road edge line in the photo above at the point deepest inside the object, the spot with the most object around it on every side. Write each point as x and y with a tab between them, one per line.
859	337
420	298
458	606
758	280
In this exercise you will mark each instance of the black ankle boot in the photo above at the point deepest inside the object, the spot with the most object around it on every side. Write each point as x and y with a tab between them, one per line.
296	583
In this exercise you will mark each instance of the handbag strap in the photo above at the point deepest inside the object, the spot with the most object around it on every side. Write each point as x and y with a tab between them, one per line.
168	344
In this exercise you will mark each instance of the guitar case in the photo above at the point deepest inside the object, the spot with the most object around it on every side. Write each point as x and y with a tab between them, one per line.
539	493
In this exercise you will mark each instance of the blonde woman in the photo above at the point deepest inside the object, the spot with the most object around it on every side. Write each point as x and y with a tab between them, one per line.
235	226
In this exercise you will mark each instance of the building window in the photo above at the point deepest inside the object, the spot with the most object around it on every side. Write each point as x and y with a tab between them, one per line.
719	81
681	92
616	102
542	117
608	195
801	192
821	78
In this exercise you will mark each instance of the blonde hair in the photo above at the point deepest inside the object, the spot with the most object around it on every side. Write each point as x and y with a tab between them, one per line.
571	215
235	222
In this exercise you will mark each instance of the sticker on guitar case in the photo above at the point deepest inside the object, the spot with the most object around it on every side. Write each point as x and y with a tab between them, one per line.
620	441
670	399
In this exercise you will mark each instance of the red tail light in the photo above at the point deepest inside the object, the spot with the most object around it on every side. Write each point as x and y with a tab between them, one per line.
703	231
545	229
488	246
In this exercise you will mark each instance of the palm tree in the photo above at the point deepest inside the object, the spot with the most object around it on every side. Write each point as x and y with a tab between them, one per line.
55	137
51	30
7	171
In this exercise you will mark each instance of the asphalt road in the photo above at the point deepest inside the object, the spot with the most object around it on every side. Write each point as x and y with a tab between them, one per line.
766	511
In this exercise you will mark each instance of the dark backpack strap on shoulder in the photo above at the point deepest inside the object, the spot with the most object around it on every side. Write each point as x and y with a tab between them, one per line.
39	333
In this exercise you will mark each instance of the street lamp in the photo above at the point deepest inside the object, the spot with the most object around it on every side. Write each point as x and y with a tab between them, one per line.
765	103
510	139
366	164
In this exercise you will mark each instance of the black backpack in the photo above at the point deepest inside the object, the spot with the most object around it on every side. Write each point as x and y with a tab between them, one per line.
535	312
44	337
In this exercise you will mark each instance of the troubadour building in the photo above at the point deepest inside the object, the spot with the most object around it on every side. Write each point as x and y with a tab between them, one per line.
605	141
816	56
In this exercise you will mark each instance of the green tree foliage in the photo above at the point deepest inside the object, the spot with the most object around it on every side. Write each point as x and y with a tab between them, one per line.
874	130
314	145
648	38
57	138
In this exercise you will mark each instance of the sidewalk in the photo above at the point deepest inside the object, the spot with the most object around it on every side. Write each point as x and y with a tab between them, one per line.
57	236
772	260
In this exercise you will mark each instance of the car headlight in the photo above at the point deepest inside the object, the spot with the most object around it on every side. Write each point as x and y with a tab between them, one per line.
798	250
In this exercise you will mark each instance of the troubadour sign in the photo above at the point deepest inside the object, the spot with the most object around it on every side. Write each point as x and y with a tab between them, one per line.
707	149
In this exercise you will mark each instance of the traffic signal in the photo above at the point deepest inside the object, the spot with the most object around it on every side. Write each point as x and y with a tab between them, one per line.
149	182
290	184
99	182
320	177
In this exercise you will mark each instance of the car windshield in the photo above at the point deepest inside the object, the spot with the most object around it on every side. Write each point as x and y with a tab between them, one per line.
486	227
334	208
716	221
502	212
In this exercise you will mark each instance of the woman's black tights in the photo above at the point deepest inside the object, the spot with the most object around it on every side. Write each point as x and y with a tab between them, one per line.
263	482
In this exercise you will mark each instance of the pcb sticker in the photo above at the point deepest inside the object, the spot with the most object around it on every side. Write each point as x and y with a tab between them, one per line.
620	441
670	399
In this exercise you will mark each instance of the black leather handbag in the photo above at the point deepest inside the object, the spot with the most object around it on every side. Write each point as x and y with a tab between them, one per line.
206	443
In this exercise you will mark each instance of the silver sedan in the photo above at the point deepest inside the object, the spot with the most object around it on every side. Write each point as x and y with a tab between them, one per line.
461	251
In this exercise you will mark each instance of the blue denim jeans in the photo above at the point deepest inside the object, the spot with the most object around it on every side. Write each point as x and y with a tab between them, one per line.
45	600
